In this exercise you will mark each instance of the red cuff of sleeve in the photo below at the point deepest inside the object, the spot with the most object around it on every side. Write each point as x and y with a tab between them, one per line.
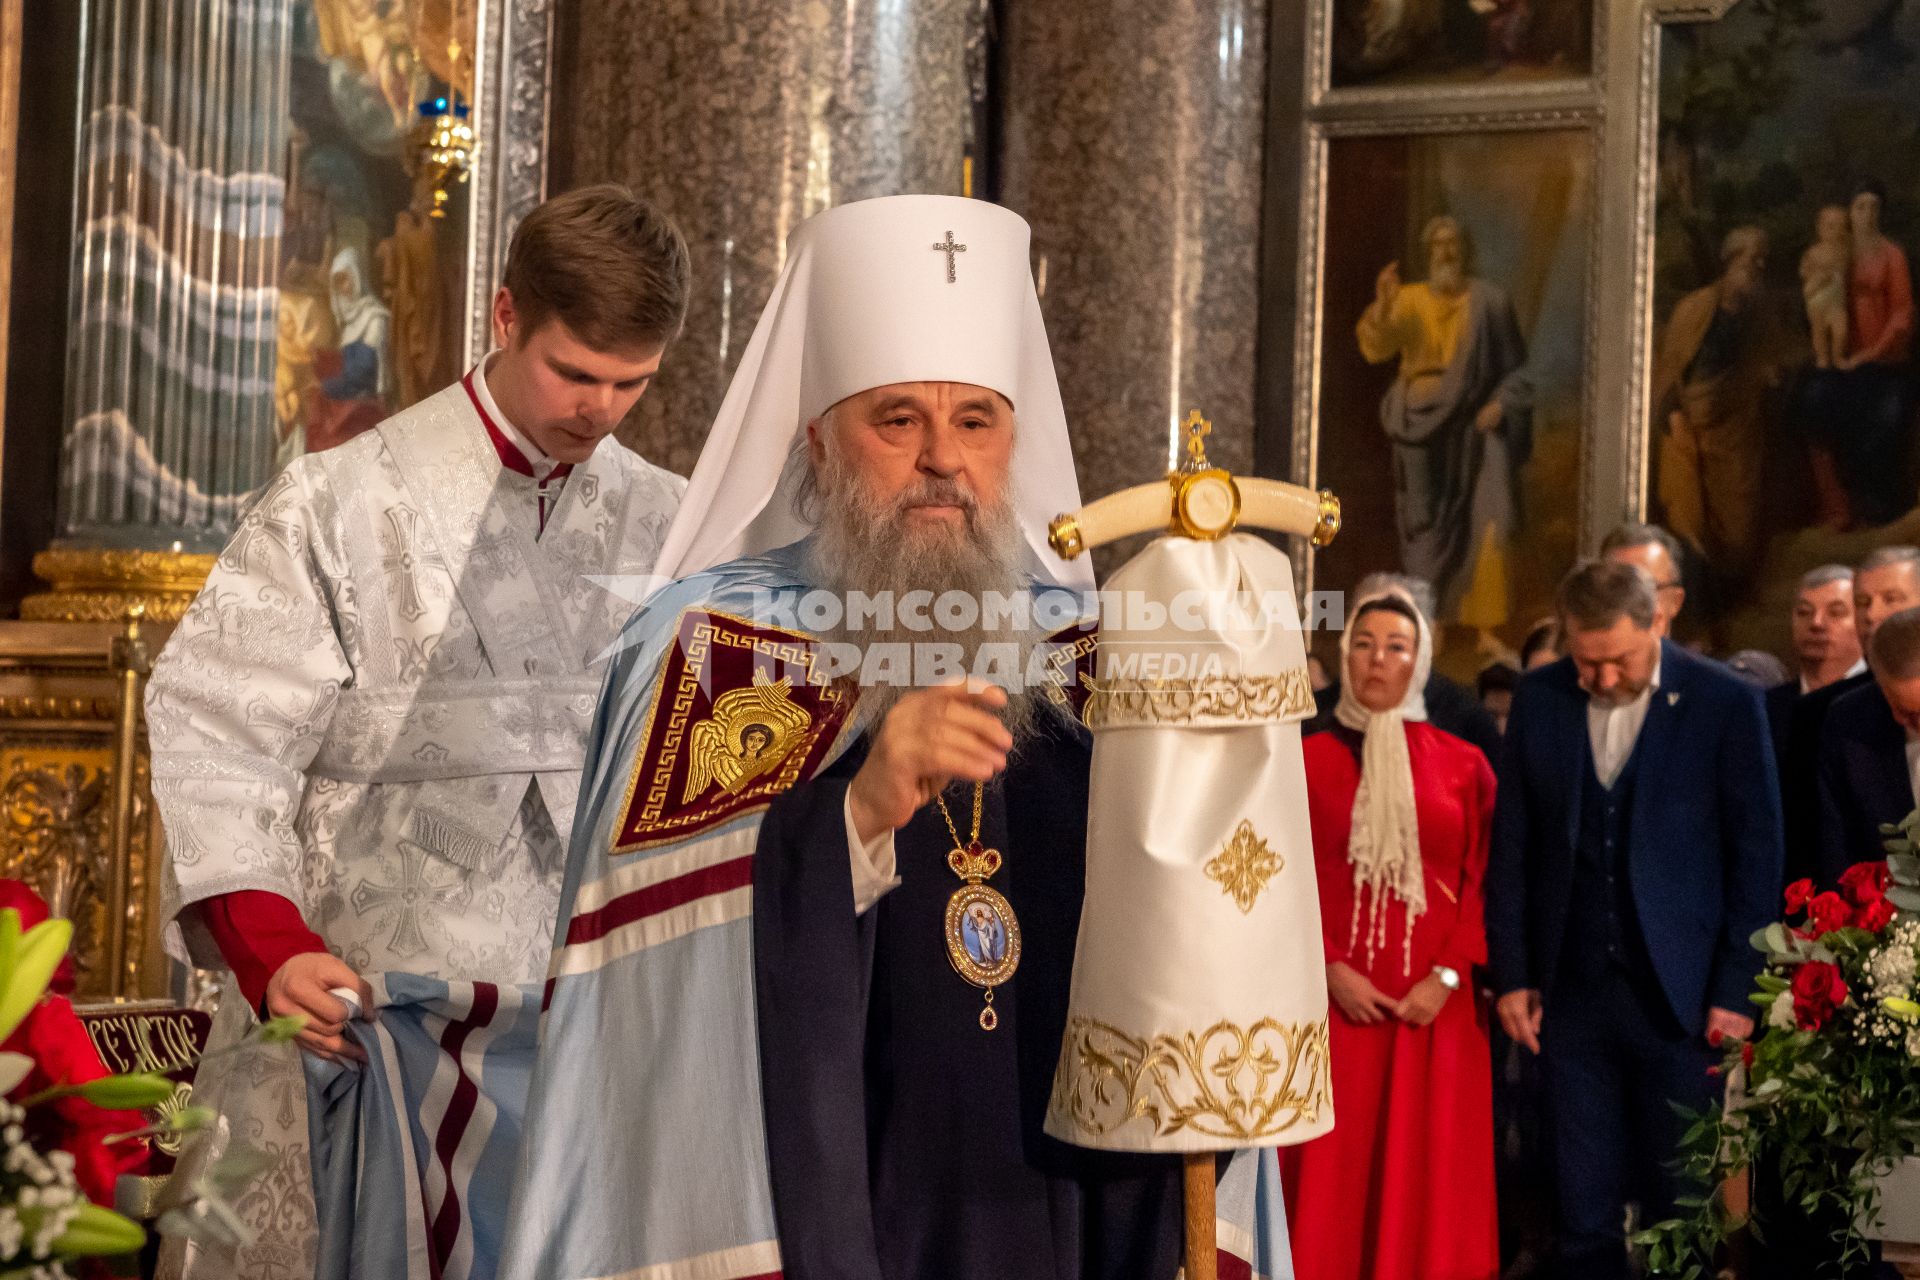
257	932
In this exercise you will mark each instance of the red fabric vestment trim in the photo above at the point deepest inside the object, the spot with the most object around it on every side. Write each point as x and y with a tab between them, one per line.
510	455
702	882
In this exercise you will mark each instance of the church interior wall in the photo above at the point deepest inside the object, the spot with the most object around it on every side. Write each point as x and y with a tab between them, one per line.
1213	186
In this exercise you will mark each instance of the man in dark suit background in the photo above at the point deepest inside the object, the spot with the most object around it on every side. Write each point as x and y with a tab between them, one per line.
1870	750
1636	847
1659	553
1884	583
1452	708
1827	649
1826	644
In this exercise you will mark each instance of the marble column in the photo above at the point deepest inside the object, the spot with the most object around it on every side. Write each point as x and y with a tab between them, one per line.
744	118
1132	143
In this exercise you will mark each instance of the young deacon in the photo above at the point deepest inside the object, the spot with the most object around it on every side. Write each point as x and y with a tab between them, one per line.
368	730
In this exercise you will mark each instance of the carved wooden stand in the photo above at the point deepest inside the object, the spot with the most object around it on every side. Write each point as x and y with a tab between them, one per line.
76	817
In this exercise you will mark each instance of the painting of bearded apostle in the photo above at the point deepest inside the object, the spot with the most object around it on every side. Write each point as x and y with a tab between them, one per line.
1458	419
1719	366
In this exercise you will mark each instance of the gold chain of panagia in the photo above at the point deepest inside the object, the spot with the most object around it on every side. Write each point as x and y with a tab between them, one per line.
979	797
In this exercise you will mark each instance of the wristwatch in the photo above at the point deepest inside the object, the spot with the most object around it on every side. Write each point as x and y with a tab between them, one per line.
1449	978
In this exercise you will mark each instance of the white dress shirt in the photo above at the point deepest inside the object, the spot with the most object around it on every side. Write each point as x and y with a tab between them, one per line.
1613	729
1859	667
873	864
1913	767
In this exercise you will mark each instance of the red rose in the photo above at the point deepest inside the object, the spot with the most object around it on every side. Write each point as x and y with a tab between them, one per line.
1746	1055
62	1054
1828	912
1818	989
1799	894
1874	916
1865	882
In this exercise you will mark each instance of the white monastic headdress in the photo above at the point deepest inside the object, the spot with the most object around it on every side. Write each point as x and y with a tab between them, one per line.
899	289
1383	845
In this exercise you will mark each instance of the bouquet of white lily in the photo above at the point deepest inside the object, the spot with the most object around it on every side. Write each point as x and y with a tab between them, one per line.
68	1128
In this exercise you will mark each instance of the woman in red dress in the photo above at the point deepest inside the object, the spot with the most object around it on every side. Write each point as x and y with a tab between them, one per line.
1402	1189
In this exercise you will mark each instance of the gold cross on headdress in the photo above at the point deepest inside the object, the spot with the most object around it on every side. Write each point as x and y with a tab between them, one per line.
950	248
1198	429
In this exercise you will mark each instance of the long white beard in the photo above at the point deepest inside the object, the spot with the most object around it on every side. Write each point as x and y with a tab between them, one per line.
865	543
1446	277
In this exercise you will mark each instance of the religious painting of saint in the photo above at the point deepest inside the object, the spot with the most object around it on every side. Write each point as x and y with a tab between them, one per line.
984	935
1452	369
1469	43
370	285
1782	410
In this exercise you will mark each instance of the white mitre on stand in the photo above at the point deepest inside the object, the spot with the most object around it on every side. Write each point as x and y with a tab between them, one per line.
1199	1012
1198	1019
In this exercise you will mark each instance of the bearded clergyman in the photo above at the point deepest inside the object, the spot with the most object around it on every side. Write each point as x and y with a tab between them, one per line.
811	979
367	731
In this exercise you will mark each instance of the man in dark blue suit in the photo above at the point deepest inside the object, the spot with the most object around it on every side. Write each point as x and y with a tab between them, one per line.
1886	582
1869	749
1636	847
1827	649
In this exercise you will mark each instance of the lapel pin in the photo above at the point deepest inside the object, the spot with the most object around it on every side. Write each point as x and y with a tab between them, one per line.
1673	699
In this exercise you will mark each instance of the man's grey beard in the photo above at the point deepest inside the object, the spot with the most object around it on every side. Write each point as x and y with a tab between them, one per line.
1447	277
866	543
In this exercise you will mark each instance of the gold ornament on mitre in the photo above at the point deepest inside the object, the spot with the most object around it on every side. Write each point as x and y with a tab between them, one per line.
749	733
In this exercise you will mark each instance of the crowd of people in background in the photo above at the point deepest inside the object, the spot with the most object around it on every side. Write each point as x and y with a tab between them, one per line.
1537	896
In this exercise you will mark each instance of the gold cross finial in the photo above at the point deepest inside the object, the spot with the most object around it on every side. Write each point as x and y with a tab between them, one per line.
1197	428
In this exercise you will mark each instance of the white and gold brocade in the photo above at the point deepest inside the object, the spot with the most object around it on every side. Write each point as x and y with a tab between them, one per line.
1198	1019
377	708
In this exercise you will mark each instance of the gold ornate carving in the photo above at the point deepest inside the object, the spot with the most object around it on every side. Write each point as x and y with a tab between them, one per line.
1253	699
29	706
56	833
102	584
1227	1082
74	823
1244	865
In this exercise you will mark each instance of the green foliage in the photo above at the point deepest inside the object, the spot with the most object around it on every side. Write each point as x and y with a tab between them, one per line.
1826	1109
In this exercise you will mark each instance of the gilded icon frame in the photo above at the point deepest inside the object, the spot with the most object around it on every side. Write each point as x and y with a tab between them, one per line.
1617	104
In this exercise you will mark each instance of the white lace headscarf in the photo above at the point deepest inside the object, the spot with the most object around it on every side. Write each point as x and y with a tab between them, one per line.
1384	842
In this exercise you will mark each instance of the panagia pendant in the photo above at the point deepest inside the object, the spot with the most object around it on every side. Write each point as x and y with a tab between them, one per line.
983	937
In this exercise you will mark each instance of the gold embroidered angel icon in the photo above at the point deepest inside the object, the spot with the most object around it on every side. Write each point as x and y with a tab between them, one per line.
749	733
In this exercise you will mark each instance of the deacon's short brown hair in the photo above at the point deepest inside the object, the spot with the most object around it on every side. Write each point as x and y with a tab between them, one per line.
1598	593
1895	647
610	266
